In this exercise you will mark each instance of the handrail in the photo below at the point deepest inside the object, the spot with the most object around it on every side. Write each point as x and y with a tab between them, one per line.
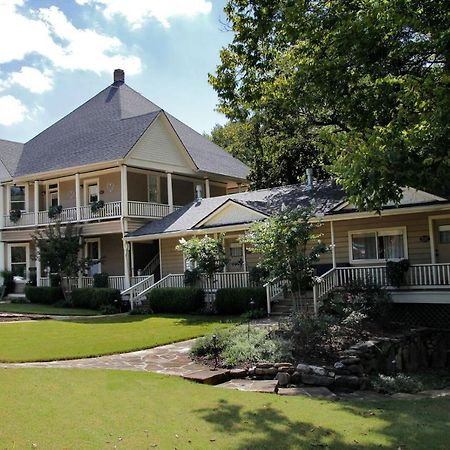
148	269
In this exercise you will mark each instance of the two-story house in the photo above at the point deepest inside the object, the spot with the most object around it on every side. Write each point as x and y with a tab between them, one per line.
114	163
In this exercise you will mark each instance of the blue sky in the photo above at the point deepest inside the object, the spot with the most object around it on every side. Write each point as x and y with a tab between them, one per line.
60	53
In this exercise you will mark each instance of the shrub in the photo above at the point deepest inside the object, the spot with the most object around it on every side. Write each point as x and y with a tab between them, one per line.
96	298
191	277
237	346
397	383
258	275
396	271
8	281
237	300
176	300
43	294
55	280
101	280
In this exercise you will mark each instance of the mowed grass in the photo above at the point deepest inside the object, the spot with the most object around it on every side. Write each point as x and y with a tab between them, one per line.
33	308
102	409
54	339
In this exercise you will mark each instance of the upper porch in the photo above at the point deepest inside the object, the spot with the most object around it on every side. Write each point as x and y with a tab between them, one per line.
101	195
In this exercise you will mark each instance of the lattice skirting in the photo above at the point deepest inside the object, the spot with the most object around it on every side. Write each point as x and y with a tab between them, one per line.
420	314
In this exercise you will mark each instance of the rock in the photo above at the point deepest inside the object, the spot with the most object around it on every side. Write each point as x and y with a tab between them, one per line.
266	372
355	369
266	386
316	392
350	360
264	365
316	370
238	373
251	371
303	368
317	380
339	365
283	379
347	381
283	365
296	378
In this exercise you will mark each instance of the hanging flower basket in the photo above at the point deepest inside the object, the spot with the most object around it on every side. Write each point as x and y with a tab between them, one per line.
96	207
15	215
54	211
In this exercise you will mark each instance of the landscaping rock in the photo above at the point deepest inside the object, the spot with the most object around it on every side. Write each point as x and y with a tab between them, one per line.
283	379
266	372
315	392
266	386
296	378
238	373
211	377
264	365
283	365
317	380
347	381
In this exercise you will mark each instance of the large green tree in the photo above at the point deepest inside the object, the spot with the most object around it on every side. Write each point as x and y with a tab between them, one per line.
367	82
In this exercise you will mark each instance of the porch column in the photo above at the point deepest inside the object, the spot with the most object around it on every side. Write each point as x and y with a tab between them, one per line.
244	258
38	268
78	196
432	243
36	202
80	255
2	209
132	257
124	190
169	191
126	264
333	245
207	189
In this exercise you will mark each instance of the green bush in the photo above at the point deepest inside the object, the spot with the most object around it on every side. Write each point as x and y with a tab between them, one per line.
96	298
8	281
101	280
237	346
55	280
237	300
43	294
176	300
397	383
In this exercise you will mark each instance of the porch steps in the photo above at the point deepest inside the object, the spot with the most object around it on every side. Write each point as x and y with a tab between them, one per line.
285	305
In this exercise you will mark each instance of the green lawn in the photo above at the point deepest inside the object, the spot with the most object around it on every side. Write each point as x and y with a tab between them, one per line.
33	308
53	339
101	409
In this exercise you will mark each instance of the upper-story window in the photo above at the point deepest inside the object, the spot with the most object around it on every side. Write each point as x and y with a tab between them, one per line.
153	189
53	195
93	193
17	197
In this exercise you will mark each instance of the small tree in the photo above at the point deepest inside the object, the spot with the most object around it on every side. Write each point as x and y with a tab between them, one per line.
59	248
207	254
288	244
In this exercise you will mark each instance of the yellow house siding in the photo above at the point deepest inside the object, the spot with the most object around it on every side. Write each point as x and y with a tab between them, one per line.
172	259
111	248
137	187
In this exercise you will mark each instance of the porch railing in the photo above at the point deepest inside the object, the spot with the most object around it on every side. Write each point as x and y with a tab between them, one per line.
114	281
274	290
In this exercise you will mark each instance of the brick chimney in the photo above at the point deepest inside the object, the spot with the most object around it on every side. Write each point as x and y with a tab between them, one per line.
119	76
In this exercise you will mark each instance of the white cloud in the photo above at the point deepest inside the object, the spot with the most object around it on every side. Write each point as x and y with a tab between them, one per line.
12	110
138	11
48	32
32	79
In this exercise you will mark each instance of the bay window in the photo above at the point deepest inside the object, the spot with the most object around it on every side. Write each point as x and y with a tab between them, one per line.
378	245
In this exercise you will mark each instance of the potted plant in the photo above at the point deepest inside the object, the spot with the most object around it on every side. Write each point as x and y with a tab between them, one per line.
15	215
54	211
97	206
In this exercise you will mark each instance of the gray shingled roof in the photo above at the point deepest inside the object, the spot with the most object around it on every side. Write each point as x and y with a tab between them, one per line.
325	196
106	127
10	153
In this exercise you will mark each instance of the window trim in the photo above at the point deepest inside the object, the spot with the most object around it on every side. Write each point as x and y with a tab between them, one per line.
376	231
86	184
8	191
27	256
86	242
439	229
47	193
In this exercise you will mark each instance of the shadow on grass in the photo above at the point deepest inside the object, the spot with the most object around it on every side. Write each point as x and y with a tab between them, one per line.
401	425
182	319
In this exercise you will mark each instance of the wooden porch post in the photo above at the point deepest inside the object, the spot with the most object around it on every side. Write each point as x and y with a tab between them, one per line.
333	245
124	190
170	191
78	196
38	269
132	258
244	258
126	264
432	244
36	202
2	209
207	188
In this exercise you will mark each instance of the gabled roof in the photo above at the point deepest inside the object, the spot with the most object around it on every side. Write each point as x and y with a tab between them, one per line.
106	127
10	153
325	197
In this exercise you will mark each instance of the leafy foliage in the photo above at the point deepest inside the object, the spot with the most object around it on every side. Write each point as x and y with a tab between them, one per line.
96	298
43	295
176	300
367	83
288	244
237	300
101	280
397	383
54	211
206	253
396	271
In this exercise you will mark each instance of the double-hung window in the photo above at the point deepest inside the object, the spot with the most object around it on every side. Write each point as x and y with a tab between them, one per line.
18	259
378	245
17	198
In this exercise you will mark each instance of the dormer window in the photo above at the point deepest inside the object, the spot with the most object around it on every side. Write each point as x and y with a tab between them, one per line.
17	198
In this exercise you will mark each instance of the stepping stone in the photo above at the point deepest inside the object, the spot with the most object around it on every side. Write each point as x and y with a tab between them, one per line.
314	392
266	386
211	377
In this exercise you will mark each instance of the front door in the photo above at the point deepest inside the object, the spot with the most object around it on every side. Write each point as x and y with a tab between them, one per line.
92	251
443	241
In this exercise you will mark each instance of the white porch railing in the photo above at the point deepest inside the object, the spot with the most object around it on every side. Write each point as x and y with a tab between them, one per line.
26	219
274	289
151	266
110	209
223	280
139	289
147	209
114	281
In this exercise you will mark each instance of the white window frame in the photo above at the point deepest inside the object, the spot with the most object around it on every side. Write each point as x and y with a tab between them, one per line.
158	187
236	245
47	193
442	228
376	231
90	240
8	191
86	184
27	256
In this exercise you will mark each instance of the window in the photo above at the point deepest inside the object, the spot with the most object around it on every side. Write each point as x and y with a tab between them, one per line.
53	195
378	245
18	260
236	250
153	189
444	234
17	197
93	193
92	251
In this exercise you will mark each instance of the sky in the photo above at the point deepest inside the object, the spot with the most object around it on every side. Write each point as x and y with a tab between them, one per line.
56	54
